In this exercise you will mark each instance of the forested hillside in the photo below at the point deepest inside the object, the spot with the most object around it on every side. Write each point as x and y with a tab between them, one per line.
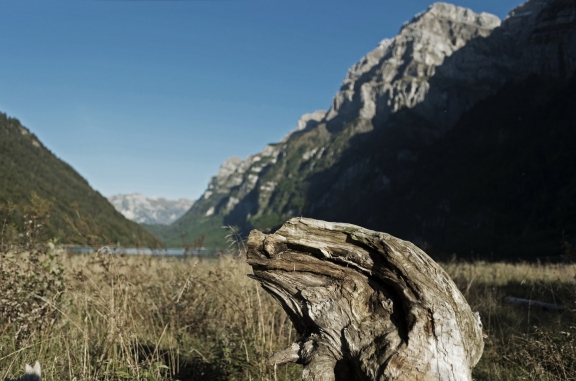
79	214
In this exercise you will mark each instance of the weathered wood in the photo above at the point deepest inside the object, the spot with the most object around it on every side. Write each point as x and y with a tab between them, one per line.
367	306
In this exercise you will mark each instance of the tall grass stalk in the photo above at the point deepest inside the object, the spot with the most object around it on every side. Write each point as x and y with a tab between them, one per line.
151	318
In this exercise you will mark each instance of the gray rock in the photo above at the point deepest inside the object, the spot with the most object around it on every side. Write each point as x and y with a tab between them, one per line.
150	210
396	74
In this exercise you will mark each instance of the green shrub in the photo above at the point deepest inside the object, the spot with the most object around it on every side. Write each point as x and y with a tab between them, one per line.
31	274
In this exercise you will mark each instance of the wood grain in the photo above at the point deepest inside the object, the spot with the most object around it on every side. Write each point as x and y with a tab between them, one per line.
367	305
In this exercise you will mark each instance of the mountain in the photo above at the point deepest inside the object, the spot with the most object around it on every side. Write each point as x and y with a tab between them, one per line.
363	160
150	210
501	183
79	213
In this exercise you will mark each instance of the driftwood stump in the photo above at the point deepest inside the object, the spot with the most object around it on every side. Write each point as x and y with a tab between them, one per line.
367	306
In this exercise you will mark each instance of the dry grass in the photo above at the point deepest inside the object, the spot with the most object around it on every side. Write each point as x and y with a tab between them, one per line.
151	318
161	318
501	274
523	343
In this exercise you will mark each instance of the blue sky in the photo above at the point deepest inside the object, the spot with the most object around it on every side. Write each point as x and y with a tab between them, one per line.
152	96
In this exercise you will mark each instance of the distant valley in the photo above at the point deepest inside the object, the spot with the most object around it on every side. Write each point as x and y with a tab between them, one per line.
150	210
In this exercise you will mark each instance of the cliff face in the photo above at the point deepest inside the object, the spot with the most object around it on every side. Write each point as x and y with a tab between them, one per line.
348	163
396	74
537	37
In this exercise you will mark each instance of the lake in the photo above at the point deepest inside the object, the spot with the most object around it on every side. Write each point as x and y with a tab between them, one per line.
143	251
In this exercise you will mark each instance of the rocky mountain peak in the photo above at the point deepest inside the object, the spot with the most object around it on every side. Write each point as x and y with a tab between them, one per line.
228	167
399	98
392	76
235	172
150	210
307	121
538	37
395	74
457	14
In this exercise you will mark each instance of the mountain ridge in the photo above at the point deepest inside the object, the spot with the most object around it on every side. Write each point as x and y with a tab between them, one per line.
79	213
400	98
150	210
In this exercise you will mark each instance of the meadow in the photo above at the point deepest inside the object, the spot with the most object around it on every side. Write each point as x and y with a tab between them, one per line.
104	316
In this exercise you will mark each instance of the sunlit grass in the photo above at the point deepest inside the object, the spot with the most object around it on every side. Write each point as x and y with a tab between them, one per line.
151	318
522	343
161	318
